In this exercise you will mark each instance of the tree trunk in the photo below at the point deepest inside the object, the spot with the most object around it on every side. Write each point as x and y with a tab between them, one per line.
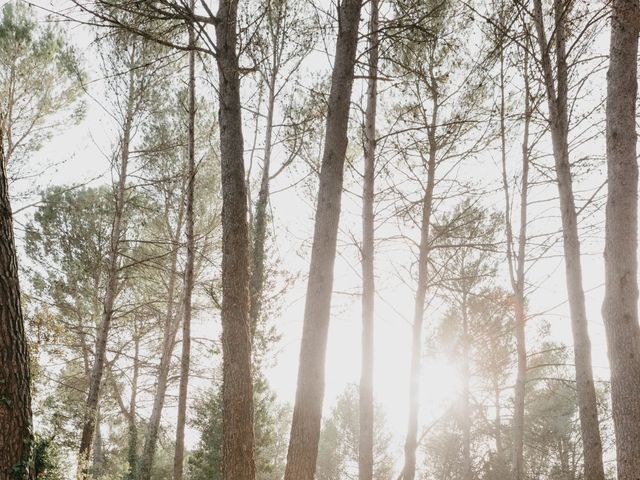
516	264
307	413
620	307
559	123
260	216
132	447
97	370
411	440
237	389
467	467
365	444
171	324
16	439
178	459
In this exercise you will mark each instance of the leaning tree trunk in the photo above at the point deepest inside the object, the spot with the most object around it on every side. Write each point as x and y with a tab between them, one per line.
91	407
620	307
178	459
307	413
557	93
365	444
16	438
411	440
238	449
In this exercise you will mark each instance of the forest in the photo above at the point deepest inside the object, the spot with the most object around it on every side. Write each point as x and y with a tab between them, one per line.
319	240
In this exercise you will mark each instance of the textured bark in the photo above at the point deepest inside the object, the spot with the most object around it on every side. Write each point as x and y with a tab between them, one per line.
15	397
168	343
185	361
132	447
557	92
365	444
620	307
238	448
411	440
97	369
307	413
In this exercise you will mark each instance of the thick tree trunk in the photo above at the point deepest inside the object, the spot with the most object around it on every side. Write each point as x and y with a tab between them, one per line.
411	440
559	123
97	370
178	459
16	438
307	413
620	307
365	444
238	447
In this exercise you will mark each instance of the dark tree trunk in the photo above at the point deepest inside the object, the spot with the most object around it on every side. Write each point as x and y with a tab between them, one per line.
365	445
307	413
557	93
237	389
620	307
16	437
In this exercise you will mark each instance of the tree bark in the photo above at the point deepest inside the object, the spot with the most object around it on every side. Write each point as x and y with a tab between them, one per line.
178	459
307	413
620	307
365	444
237	389
16	439
557	93
97	370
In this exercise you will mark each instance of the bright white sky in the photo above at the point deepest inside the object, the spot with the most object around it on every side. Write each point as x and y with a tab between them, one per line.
82	148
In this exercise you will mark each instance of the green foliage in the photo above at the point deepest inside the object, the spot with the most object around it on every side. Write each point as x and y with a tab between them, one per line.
339	439
40	84
271	422
47	459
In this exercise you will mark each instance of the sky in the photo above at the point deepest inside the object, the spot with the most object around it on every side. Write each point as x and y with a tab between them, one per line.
81	149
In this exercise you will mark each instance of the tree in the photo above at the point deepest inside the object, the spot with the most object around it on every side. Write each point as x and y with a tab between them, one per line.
339	447
237	390
15	379
365	443
40	86
620	307
557	89
307	412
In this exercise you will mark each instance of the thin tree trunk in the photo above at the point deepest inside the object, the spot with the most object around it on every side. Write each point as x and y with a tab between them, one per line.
365	444
411	440
467	468
171	324
516	263
16	439
260	215
110	295
132	447
307	413
238	445
620	307
559	123
178	460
